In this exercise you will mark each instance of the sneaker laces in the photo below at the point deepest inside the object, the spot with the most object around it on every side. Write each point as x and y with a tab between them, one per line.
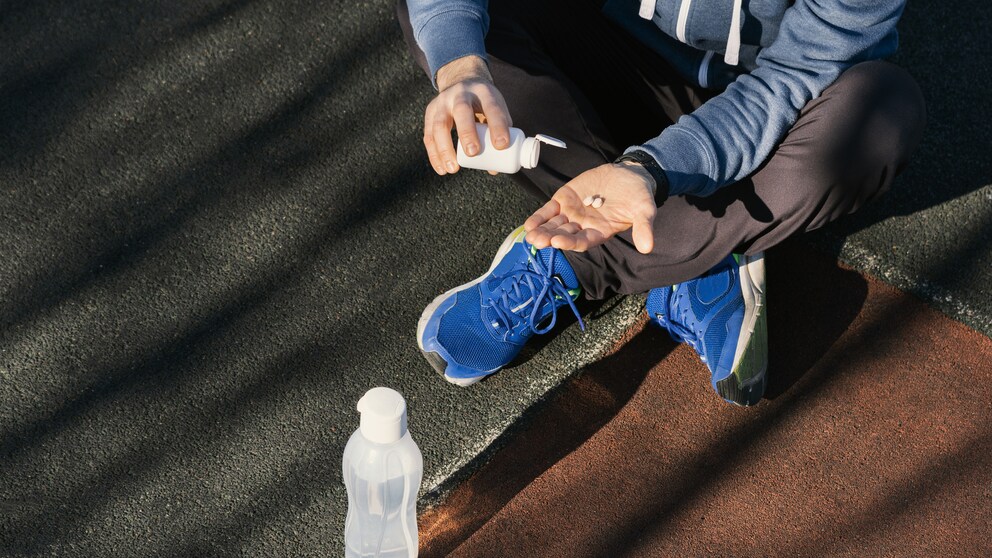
514	304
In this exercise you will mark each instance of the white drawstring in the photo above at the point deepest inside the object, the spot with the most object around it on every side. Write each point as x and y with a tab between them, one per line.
647	9
732	56
683	20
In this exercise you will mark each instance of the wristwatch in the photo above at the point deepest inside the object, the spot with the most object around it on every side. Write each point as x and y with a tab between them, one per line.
645	160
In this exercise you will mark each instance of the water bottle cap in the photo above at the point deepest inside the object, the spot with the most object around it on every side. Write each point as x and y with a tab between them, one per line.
383	415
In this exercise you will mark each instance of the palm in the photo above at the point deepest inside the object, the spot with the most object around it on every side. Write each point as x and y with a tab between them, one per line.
567	223
609	219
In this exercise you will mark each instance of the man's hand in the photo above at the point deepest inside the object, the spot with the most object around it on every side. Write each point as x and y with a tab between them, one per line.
567	223
465	89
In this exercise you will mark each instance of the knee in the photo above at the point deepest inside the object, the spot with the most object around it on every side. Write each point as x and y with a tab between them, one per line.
870	123
894	111
850	145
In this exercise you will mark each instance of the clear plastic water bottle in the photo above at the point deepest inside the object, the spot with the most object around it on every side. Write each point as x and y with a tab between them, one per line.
523	152
382	469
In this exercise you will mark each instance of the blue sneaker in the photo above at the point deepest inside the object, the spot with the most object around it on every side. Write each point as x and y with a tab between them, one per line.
721	314
474	330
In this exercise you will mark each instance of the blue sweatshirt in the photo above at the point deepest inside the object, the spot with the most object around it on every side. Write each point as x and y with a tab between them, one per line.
772	59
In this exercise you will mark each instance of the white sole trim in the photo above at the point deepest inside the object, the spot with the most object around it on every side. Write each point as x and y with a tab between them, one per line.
752	274
517	235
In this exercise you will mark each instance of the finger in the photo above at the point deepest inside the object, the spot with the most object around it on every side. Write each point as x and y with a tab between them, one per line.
429	144
464	116
563	242
541	236
538	238
433	156
498	119
541	216
560	234
580	241
441	132
643	234
566	229
494	173
555	222
558	225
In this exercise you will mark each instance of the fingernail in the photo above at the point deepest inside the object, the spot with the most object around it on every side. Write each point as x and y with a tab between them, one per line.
471	149
500	141
450	166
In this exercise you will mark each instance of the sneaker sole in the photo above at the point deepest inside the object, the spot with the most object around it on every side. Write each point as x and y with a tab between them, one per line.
746	383
436	360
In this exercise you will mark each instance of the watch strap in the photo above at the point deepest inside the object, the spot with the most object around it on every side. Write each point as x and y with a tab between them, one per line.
646	161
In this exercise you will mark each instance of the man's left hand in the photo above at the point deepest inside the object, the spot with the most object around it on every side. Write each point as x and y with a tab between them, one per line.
567	223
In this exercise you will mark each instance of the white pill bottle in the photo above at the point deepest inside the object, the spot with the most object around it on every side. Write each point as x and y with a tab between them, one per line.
382	469
522	151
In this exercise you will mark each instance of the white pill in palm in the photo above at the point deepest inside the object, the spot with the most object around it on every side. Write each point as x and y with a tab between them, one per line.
587	201
597	203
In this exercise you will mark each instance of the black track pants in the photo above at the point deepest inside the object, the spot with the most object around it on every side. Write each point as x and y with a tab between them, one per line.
567	71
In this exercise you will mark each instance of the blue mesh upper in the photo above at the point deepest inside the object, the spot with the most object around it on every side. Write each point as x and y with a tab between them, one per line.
698	307
488	322
465	337
657	300
702	309
715	336
561	266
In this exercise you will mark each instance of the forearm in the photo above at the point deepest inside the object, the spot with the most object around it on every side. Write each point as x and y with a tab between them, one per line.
729	137
448	30
466	68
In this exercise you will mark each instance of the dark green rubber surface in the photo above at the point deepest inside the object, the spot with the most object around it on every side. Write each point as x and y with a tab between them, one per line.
218	230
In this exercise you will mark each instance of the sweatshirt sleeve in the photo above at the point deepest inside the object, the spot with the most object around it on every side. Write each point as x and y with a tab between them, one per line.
449	29
728	137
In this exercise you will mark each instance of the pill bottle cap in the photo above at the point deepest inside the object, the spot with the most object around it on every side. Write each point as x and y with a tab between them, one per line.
383	415
530	152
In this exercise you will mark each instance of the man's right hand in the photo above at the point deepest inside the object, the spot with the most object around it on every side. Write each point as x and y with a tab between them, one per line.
465	89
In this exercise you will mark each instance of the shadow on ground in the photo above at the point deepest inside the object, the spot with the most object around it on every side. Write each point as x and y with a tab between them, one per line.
876	446
219	230
553	430
812	302
823	300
